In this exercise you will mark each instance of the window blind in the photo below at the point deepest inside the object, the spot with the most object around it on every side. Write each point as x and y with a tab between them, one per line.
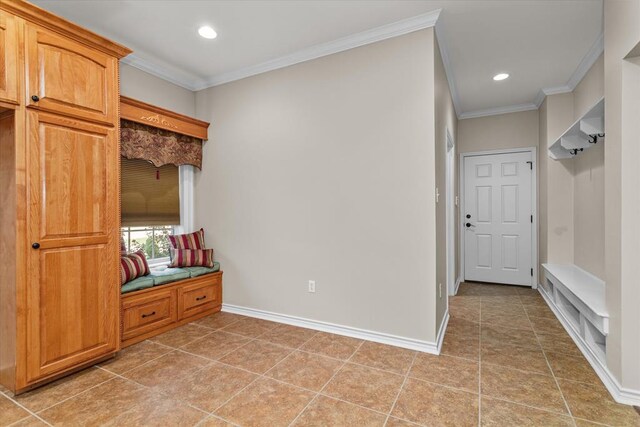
150	195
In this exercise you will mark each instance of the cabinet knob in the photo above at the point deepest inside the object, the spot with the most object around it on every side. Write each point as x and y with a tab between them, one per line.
35	245
35	98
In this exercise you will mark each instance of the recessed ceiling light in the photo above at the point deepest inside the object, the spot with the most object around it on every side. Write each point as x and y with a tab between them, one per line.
207	32
500	76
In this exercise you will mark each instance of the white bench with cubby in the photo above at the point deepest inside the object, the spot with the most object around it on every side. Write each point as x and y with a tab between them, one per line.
577	298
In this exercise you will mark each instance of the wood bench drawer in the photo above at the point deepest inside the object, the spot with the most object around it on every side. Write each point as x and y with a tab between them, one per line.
199	297
148	312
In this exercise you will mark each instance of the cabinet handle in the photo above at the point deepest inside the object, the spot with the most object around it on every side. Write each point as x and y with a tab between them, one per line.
35	245
148	315
201	298
35	98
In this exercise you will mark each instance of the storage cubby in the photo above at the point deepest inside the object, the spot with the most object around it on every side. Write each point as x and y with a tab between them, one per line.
595	340
569	310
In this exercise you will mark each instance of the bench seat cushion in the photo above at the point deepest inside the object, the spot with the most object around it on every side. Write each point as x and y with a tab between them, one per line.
199	271
169	275
142	282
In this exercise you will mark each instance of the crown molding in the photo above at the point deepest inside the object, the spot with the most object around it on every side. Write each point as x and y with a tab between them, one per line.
539	98
159	71
448	69
587	62
498	110
384	32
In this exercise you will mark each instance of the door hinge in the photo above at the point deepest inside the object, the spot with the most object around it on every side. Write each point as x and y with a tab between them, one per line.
532	272
531	219
530	164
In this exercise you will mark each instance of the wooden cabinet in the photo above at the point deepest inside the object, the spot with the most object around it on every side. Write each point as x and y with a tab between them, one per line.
72	183
66	77
8	58
59	187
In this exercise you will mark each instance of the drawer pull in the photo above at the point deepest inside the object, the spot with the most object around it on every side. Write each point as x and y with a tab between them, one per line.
149	315
201	298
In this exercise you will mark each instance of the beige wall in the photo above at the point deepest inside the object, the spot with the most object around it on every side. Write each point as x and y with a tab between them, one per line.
325	171
513	130
556	210
445	118
589	90
145	87
588	181
622	175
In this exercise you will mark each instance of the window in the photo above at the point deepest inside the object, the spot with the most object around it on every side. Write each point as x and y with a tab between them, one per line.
150	206
152	240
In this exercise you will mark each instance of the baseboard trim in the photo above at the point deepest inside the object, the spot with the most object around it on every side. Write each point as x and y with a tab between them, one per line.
620	394
442	330
380	337
458	281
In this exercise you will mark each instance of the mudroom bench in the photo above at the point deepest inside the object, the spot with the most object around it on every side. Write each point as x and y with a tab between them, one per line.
164	300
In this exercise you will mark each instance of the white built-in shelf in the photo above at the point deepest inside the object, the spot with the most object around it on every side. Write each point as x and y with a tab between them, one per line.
578	300
587	131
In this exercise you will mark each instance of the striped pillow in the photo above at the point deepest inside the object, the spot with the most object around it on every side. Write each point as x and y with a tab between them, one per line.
188	241
191	258
133	265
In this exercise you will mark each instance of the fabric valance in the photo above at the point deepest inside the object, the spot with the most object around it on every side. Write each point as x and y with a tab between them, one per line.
158	146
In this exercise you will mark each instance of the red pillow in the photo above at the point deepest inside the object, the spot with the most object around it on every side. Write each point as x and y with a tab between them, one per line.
133	265
193	240
191	258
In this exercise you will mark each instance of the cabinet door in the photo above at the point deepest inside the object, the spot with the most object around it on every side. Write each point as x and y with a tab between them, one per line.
8	58
66	77
73	289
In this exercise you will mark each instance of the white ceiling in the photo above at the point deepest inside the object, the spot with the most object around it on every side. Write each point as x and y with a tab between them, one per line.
543	45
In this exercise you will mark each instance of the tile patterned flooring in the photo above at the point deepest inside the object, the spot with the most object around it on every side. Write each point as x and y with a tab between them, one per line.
506	361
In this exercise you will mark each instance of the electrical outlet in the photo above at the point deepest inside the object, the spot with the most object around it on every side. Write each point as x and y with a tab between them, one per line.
439	290
312	286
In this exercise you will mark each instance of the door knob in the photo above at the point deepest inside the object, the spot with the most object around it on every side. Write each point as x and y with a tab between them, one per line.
468	216
35	98
468	224
35	245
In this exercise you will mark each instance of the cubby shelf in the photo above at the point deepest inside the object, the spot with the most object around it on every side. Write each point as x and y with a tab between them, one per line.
587	131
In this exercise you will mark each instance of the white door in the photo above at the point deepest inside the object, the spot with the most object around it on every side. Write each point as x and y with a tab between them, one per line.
498	219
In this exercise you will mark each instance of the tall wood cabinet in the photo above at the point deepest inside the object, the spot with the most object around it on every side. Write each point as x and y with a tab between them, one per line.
59	196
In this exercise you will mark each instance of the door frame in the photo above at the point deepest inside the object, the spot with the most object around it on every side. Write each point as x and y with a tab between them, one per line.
534	205
450	213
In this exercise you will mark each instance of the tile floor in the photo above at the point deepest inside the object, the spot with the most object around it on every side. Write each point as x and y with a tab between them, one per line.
506	361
